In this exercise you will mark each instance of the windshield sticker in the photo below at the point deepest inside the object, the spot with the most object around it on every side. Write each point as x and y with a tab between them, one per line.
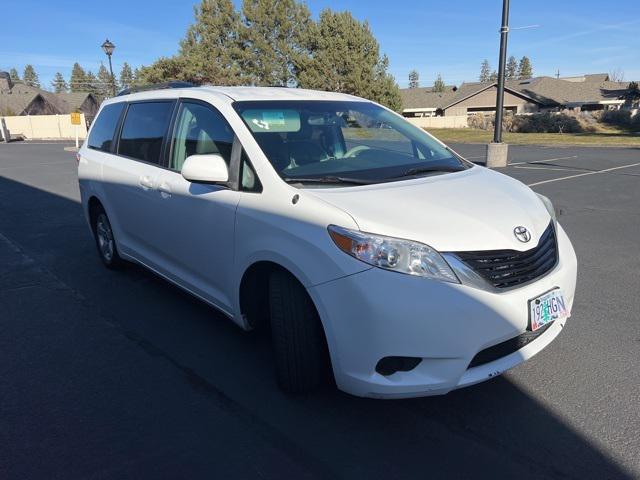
272	120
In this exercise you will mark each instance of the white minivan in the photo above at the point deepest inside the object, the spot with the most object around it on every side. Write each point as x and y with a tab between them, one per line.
375	254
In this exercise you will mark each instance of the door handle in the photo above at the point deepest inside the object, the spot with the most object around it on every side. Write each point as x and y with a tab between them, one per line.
146	182
165	190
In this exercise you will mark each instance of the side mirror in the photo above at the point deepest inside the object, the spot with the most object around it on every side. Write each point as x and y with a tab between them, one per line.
209	168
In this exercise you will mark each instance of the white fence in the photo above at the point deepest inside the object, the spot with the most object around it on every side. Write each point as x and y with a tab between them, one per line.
45	127
453	121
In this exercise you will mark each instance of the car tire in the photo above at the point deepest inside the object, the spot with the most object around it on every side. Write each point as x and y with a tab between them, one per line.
105	240
300	346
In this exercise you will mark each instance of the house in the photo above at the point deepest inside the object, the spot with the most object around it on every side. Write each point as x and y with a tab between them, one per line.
587	92
21	99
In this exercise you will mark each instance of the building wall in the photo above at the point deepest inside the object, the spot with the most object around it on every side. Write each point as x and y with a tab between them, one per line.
459	121
487	100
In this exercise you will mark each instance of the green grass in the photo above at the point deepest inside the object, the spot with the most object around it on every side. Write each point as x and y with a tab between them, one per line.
604	138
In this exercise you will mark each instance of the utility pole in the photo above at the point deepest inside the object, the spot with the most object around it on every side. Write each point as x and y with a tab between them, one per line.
497	151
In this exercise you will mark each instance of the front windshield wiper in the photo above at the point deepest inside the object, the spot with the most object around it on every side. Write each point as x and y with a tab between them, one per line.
419	170
327	179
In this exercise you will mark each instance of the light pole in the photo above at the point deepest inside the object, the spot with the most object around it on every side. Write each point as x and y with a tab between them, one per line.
108	48
497	151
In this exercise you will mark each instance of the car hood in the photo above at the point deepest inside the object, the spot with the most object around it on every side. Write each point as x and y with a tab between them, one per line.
475	209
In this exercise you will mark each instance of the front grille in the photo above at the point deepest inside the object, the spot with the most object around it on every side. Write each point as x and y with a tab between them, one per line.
507	347
509	268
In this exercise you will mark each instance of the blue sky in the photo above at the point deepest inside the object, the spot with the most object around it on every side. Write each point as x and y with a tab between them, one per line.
451	38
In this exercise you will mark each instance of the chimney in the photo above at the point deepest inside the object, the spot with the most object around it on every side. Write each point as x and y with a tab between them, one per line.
5	82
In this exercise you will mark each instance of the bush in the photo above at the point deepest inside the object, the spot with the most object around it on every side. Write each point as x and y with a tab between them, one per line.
620	118
480	121
569	122
634	124
547	123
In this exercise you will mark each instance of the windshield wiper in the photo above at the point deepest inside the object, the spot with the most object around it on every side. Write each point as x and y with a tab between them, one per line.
419	170
327	179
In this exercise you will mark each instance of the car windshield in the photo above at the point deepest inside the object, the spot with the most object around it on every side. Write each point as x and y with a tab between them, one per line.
343	142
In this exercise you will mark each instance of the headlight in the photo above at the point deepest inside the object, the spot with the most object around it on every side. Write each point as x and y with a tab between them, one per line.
396	254
549	206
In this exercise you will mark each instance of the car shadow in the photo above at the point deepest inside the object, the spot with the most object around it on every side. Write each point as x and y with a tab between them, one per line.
495	429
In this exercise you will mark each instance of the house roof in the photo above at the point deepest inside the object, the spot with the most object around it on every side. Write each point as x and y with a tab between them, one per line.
16	103
21	95
73	100
547	91
427	98
556	91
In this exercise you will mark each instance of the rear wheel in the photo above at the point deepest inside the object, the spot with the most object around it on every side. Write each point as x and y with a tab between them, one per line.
105	241
302	361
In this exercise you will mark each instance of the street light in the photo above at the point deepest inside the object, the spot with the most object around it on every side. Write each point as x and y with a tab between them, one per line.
497	151
108	48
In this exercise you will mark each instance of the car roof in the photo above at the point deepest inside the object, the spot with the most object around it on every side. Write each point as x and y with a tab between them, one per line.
240	94
279	93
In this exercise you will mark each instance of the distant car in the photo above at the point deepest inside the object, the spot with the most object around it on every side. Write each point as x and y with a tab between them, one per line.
372	250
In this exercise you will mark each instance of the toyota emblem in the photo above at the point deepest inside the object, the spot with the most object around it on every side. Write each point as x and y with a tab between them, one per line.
522	234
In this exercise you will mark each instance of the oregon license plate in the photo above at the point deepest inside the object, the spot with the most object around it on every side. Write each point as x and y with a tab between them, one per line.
546	308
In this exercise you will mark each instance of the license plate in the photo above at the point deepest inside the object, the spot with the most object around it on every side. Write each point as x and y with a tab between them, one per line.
546	308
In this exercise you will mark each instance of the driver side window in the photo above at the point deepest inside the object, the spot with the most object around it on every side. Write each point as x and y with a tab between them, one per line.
199	130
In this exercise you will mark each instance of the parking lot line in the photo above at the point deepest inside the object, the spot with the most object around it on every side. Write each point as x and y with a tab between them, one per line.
582	174
544	160
563	169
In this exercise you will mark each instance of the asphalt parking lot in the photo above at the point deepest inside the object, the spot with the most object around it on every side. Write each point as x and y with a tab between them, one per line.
120	375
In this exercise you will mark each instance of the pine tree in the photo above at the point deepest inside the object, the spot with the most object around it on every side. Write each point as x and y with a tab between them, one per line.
438	85
104	82
511	70
137	76
344	56
414	79
30	77
13	74
78	79
493	77
633	95
210	52
272	37
90	83
126	76
59	84
525	70
485	71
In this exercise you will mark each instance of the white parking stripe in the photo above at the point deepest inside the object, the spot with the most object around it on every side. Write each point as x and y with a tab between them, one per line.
582	174
545	160
556	169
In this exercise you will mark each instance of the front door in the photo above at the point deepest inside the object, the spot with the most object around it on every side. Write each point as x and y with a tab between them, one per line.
198	227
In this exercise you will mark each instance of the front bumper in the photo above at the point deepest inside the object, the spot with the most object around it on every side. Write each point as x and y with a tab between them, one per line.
376	313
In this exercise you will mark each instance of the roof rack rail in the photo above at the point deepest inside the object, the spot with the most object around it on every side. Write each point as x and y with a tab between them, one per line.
155	86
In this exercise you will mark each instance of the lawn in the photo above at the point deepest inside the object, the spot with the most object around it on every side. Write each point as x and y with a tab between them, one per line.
608	137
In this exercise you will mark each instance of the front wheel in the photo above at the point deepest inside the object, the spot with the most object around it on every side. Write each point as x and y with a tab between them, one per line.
105	242
302	361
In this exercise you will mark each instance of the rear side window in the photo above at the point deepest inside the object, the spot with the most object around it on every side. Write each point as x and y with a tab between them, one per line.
104	127
143	130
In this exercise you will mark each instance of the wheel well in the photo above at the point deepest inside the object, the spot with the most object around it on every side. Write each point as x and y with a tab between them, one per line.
254	292
94	207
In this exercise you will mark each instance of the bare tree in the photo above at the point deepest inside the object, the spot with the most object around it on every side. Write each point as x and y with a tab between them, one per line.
616	75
